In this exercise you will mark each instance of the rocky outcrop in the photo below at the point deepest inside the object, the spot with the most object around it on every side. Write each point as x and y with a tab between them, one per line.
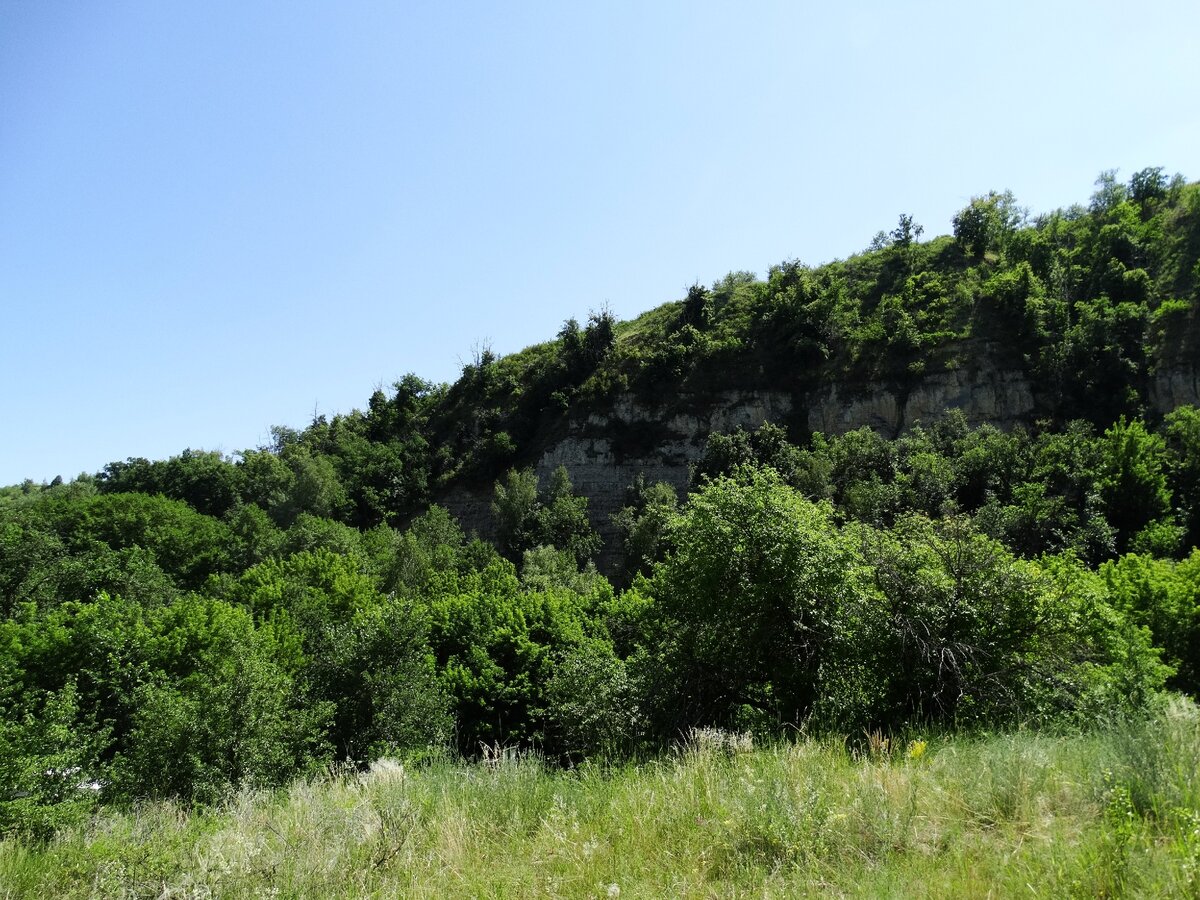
602	469
1175	387
606	450
1001	398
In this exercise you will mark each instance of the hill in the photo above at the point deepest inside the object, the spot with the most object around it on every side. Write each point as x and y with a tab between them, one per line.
1088	313
950	485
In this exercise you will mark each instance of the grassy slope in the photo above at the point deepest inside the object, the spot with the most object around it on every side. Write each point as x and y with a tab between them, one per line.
1112	813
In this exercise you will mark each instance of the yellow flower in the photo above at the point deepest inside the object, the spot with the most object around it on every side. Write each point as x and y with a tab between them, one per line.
916	749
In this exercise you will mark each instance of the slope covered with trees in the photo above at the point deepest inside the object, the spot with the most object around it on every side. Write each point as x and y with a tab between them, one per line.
174	628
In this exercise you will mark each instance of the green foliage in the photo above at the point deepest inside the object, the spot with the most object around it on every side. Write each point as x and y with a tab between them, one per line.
1132	484
48	766
955	628
696	308
496	646
206	481
907	232
751	594
987	223
515	510
526	519
1183	468
1163	596
772	613
183	627
185	544
377	670
593	707
644	525
547	568
256	537
179	700
223	710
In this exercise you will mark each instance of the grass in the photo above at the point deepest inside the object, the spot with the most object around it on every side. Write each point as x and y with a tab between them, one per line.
1115	812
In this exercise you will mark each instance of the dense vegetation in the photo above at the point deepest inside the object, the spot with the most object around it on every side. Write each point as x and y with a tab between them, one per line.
178	628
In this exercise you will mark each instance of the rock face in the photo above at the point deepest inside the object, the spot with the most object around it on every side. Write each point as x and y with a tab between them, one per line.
1172	388
602	469
605	452
1001	398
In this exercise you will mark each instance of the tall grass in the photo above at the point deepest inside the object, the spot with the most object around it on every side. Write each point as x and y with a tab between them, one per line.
1115	812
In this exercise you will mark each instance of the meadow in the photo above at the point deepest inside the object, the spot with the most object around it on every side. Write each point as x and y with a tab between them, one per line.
1109	812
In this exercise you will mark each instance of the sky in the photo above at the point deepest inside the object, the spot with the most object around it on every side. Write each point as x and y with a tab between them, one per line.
216	217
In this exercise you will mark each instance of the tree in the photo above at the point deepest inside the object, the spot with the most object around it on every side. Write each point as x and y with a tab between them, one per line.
1148	186
645	523
526	519
365	655
750	596
953	626
206	481
514	508
1132	483
987	222
187	545
49	764
907	232
222	705
1183	445
496	646
600	335
1163	596
583	349
1109	193
958	629
563	519
696	307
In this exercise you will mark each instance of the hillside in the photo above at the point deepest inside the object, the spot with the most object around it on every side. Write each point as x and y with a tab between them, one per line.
1088	313
949	484
1082	314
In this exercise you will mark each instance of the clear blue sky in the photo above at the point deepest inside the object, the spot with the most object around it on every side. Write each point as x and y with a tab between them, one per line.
220	216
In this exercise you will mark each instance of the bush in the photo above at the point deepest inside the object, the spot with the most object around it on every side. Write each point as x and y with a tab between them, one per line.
748	598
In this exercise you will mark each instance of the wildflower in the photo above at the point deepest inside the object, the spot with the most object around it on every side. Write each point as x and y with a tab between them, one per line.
916	749
614	890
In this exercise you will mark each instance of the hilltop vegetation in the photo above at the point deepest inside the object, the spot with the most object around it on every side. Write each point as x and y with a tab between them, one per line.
180	629
1090	301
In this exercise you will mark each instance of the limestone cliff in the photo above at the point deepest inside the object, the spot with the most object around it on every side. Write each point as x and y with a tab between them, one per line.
605	450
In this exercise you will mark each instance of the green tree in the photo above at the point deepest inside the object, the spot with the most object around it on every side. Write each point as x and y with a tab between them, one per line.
907	232
1132	483
526	518
750	596
49	764
515	510
366	656
645	523
187	545
563	519
221	706
1163	596
987	222
956	627
496	646
1182	427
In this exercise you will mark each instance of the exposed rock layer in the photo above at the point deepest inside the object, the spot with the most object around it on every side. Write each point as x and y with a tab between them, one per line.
605	451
